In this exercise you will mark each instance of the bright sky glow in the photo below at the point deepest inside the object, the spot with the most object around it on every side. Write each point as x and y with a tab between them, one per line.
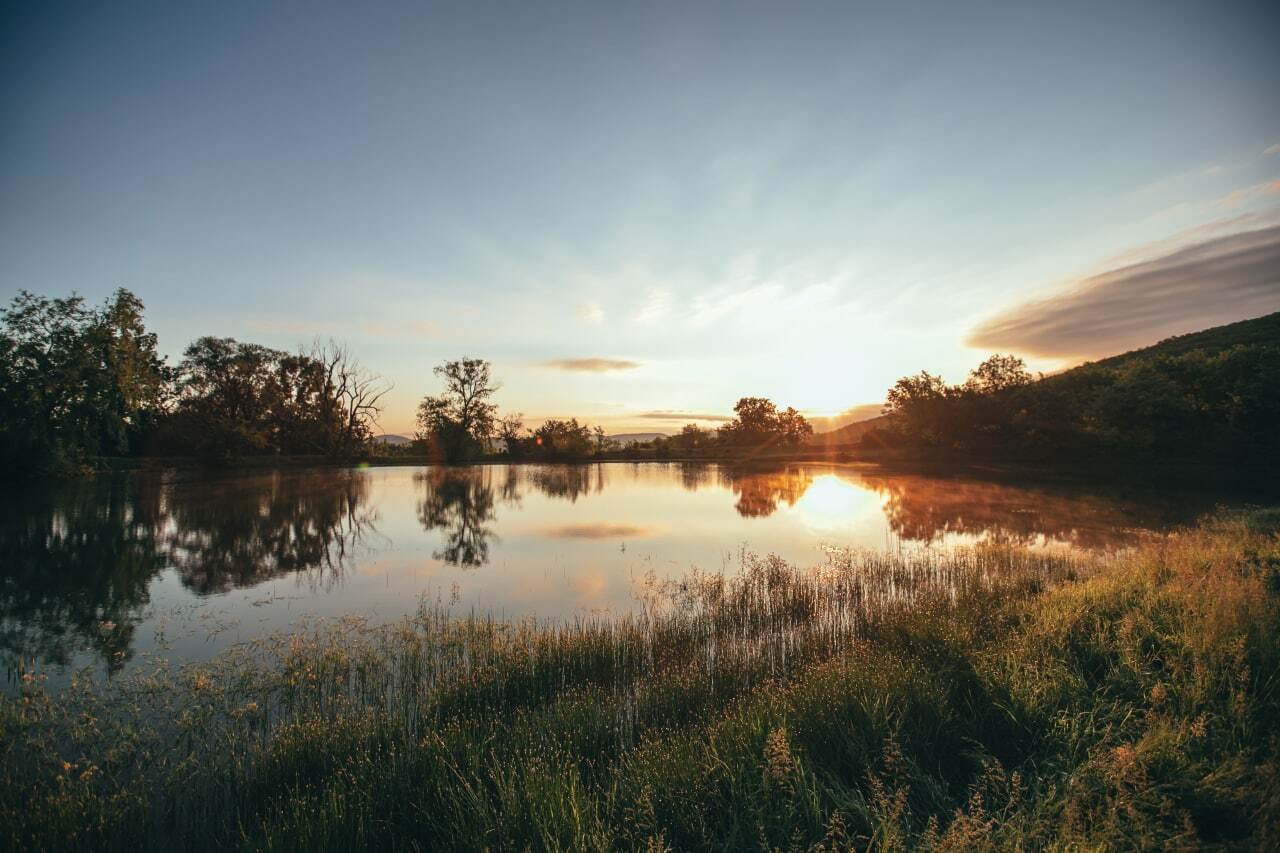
799	201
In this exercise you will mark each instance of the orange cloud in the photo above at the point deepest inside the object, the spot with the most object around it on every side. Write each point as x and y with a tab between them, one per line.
592	365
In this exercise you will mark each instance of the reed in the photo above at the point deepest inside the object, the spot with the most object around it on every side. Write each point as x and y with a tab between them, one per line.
986	697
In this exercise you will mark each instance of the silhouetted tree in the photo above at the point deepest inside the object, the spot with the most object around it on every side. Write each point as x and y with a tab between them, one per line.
998	373
344	398
759	423
75	382
563	439
457	424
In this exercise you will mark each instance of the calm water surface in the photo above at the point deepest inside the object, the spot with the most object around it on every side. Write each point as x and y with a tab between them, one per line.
114	570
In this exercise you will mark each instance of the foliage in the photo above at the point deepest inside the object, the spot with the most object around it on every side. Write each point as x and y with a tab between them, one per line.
239	399
759	423
75	382
1207	396
456	426
563	439
989	699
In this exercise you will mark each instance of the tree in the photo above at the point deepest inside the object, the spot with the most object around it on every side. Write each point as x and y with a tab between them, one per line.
918	405
345	398
234	400
760	423
692	437
458	423
510	427
563	439
998	373
75	382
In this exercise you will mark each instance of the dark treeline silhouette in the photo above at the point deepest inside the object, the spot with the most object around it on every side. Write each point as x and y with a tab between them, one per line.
78	383
1207	396
463	424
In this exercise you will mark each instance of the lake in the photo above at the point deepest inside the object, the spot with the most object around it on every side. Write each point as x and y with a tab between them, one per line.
180	564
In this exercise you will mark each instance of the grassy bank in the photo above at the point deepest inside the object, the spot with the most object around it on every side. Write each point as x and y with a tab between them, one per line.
991	697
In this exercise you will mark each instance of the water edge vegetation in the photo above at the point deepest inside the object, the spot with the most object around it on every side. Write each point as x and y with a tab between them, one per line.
992	697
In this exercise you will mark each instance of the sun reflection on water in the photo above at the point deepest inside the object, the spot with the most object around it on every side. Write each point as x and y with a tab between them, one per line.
833	502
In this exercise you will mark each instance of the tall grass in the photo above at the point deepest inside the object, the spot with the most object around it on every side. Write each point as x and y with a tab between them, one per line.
988	697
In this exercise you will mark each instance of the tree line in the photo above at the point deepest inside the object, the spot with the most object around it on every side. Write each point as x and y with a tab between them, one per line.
81	382
1207	396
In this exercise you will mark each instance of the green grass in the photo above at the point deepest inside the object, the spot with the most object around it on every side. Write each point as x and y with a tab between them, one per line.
992	698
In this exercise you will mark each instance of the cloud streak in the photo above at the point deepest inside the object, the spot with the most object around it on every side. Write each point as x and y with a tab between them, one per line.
1207	284
591	365
682	417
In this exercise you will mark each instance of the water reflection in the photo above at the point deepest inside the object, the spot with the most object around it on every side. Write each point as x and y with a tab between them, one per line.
759	492
233	536
924	509
460	503
75	572
82	562
79	558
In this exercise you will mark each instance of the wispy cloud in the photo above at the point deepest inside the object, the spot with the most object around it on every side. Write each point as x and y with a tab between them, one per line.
1274	149
1212	282
655	306
591	365
1235	198
592	314
681	417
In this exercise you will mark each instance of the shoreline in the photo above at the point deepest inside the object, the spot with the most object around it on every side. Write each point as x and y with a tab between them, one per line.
1263	477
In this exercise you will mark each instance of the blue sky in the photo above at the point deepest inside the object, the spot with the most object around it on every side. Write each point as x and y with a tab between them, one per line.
802	201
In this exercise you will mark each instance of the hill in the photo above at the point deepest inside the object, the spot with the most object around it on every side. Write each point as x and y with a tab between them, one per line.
393	439
1260	331
1209	395
849	433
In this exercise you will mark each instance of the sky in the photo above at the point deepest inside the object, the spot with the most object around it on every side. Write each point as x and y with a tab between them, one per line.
640	212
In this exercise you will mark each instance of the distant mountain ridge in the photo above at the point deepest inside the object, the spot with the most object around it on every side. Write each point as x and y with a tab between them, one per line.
626	438
393	439
849	433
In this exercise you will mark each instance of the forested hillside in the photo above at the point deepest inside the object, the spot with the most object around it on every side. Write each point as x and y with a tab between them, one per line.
1211	395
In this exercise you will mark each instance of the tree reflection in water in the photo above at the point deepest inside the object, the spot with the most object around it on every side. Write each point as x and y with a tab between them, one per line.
928	509
77	563
239	535
566	481
759	491
80	557
460	502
